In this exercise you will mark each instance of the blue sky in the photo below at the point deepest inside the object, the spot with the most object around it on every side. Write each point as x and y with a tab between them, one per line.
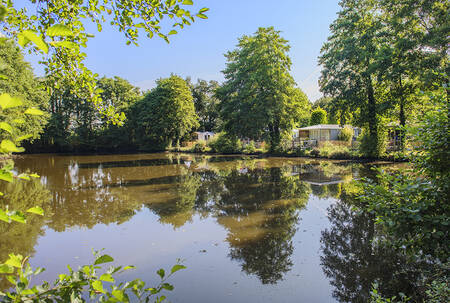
197	51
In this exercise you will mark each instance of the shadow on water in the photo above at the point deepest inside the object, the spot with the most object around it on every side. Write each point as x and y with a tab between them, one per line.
353	257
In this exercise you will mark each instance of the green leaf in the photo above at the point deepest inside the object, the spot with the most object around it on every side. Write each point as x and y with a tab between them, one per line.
18	217
24	137
27	292
59	30
129	267
120	295
205	9
172	32
63	277
6	176
167	286
36	210
65	44
34	111
103	259
23	177
161	273
107	278
188	2
98	286
22	40
177	267
19	121
202	16
6	126
9	146
6	101
14	260
37	40
6	269
4	216
39	270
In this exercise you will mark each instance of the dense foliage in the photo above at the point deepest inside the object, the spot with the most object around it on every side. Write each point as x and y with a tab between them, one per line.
20	82
164	115
259	98
379	54
59	29
318	116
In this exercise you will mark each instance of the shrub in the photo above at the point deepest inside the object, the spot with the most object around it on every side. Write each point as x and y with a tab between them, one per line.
346	134
225	144
199	147
330	150
372	147
318	116
249	148
314	152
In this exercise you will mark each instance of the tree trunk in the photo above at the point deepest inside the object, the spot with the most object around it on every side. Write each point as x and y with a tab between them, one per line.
372	117
402	115
274	133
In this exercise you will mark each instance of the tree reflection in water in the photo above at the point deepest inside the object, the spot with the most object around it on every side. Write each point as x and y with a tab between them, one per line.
353	259
16	237
258	206
260	210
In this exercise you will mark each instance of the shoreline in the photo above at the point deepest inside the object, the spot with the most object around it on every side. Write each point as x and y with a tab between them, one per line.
257	154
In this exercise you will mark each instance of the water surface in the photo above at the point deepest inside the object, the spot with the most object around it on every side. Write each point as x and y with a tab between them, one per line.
248	229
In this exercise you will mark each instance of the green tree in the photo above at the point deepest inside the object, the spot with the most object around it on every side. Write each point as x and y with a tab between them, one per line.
19	81
259	97
57	29
206	104
75	125
413	52
349	63
165	114
318	116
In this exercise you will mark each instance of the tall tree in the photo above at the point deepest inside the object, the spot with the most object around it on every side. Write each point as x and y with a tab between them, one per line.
19	81
206	104
76	125
166	114
259	97
413	53
349	62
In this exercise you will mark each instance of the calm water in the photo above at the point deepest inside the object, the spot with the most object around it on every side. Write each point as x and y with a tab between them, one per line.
248	229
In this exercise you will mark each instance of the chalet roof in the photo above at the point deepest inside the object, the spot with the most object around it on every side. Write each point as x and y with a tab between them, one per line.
322	126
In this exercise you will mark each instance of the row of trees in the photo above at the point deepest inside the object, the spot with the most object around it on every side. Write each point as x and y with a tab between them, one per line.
379	57
259	100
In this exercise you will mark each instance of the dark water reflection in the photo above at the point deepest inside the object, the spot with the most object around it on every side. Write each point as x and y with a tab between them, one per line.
251	230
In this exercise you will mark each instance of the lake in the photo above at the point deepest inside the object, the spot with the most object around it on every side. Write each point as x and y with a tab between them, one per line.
248	229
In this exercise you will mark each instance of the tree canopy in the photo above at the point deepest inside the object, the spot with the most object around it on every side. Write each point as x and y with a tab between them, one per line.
57	29
20	82
318	116
165	114
259	98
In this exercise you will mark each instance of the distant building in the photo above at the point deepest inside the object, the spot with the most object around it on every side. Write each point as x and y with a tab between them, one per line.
205	136
312	135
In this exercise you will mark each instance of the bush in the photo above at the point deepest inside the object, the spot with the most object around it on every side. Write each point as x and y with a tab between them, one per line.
372	147
225	144
318	116
199	147
249	148
346	134
314	152
330	150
